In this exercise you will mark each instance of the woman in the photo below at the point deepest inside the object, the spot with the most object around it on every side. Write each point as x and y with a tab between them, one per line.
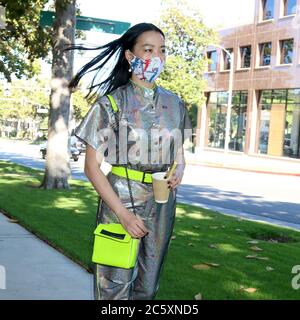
149	114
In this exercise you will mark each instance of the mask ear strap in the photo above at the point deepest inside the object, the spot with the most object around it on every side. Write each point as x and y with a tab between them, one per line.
129	62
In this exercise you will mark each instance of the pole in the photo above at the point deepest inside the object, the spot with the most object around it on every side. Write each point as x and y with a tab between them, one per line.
229	104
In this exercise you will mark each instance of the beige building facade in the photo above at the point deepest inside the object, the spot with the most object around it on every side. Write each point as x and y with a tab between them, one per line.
265	108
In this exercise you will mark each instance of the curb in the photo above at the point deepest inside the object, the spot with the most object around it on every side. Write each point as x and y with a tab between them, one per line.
220	166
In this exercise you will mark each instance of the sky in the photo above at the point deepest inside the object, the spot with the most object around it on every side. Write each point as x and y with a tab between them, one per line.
215	13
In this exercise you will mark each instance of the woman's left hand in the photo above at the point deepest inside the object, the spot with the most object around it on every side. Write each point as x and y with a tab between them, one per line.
175	179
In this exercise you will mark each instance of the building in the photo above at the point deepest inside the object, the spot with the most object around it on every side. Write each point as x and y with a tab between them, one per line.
265	112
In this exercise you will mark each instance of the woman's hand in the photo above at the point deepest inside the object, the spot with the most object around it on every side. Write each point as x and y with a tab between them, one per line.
175	179
133	224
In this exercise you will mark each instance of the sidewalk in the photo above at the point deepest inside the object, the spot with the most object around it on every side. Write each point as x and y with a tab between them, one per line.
243	162
30	269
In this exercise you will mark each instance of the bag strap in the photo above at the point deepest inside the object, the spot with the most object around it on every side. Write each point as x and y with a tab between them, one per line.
115	111
113	103
130	192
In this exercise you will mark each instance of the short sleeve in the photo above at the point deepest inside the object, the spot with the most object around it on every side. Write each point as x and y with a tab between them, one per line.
90	130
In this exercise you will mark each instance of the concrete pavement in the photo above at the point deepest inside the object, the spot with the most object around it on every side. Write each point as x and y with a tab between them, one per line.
30	269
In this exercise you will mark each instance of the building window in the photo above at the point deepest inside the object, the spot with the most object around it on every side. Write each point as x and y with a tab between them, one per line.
264	129
279	133
286	51
245	56
226	59
217	107
289	7
217	110
265	53
238	121
291	146
267	9
212	56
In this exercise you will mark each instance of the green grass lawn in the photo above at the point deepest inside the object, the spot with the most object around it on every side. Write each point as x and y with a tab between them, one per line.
207	254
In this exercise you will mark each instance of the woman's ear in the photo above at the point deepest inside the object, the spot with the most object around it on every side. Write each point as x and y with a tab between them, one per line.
128	55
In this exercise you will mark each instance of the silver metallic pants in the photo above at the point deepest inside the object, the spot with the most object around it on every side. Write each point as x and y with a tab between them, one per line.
142	281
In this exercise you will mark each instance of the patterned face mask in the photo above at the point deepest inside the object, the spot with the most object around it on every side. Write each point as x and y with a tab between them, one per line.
147	69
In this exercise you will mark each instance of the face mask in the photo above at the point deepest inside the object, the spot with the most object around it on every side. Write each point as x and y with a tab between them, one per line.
147	69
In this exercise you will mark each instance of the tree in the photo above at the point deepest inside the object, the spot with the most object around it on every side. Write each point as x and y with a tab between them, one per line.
186	39
80	105
21	43
57	168
23	40
24	96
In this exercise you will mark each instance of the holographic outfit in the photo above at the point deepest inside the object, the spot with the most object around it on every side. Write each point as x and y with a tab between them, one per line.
139	108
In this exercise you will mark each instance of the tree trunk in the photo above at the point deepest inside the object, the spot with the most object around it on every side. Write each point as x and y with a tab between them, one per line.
57	167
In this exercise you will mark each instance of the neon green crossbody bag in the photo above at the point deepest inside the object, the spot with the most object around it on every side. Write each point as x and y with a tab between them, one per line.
113	245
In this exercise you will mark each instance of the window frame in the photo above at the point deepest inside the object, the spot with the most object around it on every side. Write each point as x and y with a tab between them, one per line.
263	10
266	105
260	59
241	55
285	7
281	47
226	59
217	104
209	54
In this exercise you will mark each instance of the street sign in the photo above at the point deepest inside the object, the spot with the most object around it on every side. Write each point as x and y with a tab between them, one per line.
40	110
88	23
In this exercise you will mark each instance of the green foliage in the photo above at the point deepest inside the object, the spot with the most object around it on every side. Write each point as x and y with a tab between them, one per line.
23	99
24	40
186	38
80	105
26	95
178	78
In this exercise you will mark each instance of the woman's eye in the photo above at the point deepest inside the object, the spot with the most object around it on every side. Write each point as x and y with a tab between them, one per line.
148	50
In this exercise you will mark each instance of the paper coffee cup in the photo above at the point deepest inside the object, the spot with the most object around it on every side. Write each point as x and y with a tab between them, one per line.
160	187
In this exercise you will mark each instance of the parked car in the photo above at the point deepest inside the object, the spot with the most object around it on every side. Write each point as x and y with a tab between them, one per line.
74	152
75	142
81	147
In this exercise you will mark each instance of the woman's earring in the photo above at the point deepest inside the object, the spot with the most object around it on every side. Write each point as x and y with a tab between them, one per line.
129	62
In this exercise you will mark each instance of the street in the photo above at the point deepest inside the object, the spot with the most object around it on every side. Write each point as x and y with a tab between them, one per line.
269	197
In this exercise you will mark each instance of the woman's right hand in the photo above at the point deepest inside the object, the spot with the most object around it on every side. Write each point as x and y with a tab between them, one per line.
133	224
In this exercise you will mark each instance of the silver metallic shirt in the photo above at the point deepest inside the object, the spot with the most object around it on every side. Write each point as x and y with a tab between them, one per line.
153	124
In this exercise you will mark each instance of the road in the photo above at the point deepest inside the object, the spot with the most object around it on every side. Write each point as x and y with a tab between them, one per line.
268	197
